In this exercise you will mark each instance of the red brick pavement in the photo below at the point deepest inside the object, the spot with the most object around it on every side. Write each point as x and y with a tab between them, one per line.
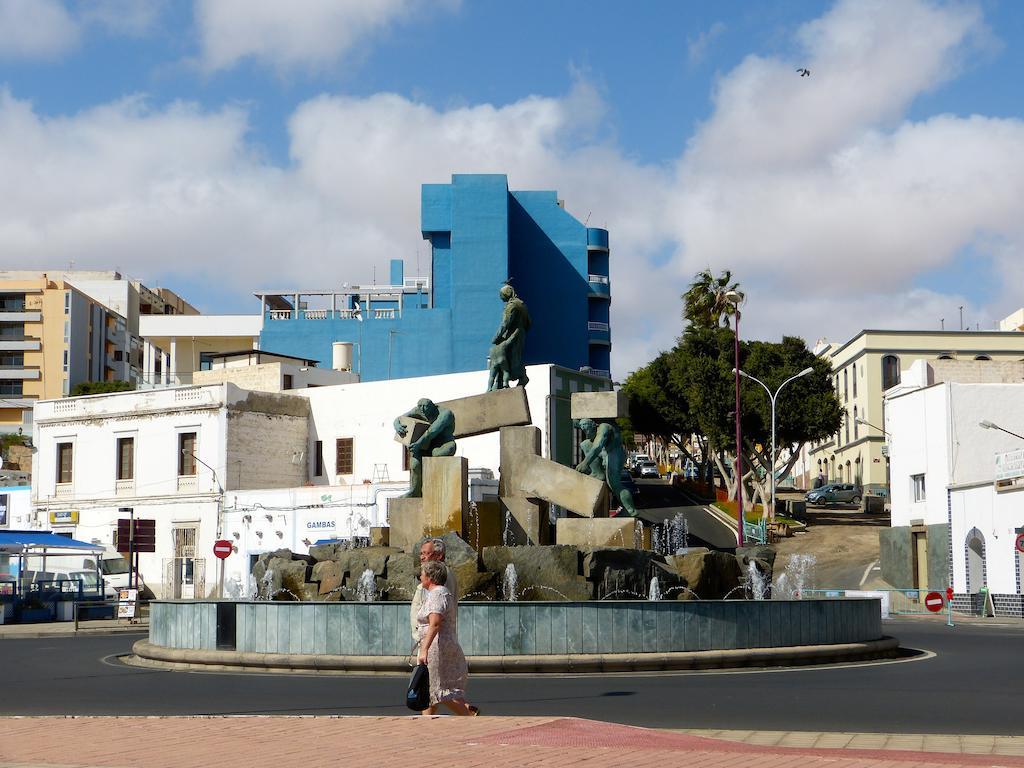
390	742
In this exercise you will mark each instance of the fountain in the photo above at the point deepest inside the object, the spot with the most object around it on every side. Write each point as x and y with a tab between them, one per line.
757	585
509	582
654	593
366	589
796	578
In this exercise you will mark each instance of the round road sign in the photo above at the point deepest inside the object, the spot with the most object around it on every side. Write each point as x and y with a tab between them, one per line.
933	602
222	548
1020	542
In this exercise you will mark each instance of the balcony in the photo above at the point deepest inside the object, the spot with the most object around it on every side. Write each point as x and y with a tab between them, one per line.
64	491
599	333
600	285
20	316
19	344
187	484
124	487
22	372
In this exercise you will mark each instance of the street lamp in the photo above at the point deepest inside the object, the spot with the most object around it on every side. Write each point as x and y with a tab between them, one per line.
736	298
989	425
220	505
772	398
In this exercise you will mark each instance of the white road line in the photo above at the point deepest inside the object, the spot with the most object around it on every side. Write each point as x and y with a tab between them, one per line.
866	572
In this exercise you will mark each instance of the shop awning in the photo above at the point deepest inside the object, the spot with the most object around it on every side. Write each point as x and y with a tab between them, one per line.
37	542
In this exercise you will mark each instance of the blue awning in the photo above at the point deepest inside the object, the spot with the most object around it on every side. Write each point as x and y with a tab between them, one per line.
18	542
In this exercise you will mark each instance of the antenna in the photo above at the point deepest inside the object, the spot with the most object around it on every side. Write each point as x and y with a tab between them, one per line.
586	220
942	323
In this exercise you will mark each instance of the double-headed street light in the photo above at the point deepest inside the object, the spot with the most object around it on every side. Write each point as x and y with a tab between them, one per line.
773	398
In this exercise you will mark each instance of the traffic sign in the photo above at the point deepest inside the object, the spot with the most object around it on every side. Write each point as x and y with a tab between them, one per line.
222	548
1020	542
933	602
949	594
144	537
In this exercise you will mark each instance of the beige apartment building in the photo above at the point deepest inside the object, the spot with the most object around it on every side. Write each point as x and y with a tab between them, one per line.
62	328
871	363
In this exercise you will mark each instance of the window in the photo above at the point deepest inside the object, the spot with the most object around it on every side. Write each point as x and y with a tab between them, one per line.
407	458
12	330
846	385
846	426
982	357
343	458
64	456
318	459
855	424
12	359
917	487
287	381
186	453
890	371
855	382
126	458
12	387
12	302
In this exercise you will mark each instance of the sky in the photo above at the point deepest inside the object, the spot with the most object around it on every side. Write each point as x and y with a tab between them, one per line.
217	147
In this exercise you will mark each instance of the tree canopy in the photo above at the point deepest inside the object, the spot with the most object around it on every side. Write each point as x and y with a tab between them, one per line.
687	394
101	387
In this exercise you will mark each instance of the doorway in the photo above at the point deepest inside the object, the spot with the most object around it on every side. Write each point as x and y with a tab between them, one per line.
919	542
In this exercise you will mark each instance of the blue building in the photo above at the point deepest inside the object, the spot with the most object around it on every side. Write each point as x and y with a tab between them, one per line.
481	236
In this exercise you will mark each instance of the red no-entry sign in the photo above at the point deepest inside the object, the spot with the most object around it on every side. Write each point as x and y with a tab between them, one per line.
933	602
222	548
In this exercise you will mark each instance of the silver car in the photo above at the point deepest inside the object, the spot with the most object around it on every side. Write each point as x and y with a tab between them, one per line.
835	493
649	469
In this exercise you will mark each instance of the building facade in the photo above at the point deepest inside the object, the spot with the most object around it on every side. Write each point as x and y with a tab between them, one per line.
868	365
481	236
956	487
60	329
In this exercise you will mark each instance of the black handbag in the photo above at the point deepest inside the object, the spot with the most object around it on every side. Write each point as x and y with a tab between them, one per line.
417	698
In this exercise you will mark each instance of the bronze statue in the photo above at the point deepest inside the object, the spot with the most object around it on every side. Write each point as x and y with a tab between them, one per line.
604	458
506	355
438	439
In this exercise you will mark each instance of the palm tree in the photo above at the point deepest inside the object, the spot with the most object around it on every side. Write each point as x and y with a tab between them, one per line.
705	304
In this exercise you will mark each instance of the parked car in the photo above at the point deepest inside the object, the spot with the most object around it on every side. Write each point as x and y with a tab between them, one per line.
834	493
649	469
638	459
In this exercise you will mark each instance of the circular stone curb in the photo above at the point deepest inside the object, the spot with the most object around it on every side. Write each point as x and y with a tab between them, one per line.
148	654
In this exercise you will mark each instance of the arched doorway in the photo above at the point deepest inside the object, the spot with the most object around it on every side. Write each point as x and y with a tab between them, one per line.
975	553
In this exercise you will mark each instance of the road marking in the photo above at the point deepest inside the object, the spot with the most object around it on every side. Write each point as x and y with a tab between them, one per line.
866	572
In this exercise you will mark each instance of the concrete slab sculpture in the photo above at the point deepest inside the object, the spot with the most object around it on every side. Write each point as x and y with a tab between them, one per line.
506	360
489	412
603	455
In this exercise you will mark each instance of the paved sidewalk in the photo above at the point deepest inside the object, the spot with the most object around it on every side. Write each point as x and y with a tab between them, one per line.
67	628
400	742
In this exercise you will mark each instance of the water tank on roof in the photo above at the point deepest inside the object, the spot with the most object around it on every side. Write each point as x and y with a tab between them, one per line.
341	357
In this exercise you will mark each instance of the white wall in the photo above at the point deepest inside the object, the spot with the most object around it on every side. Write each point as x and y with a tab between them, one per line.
366	412
19	506
974	448
996	516
918	444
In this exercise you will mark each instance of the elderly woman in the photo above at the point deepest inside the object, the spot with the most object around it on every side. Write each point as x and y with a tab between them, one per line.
439	645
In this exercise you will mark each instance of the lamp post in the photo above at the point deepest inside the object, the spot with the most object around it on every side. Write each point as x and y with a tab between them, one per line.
773	398
220	501
985	424
736	298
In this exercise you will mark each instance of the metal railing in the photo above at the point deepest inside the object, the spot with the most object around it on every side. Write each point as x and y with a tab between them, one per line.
594	325
603	279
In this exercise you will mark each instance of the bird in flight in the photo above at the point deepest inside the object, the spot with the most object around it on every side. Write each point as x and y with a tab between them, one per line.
804	72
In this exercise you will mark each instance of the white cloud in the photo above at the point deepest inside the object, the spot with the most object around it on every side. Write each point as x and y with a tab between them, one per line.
309	34
36	29
131	18
823	198
697	47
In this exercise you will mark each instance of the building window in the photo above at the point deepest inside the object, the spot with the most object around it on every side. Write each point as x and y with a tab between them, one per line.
890	371
318	459
126	458
12	387
982	357
855	424
12	330
846	426
64	462
846	385
12	359
287	381
855	381
186	453
917	487
407	458
343	457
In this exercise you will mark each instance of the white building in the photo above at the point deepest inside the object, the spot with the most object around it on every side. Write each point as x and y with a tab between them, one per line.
954	519
270	471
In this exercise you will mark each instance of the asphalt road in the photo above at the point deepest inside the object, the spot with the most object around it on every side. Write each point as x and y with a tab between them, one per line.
970	686
660	502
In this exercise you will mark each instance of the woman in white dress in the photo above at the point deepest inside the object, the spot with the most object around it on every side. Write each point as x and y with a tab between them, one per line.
439	644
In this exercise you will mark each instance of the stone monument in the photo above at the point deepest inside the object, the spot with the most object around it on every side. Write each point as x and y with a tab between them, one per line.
506	355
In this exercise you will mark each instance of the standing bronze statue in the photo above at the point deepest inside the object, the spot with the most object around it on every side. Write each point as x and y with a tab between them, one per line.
506	356
604	458
438	439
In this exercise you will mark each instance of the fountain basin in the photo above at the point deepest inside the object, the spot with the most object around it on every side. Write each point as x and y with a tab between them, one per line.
519	636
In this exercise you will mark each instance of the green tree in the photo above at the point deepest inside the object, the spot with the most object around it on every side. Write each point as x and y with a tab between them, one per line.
101	387
656	407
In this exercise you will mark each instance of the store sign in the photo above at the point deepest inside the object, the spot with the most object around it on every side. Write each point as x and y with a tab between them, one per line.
319	525
64	517
1010	465
126	599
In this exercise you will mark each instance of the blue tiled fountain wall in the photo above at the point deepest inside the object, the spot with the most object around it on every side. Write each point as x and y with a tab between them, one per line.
512	629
